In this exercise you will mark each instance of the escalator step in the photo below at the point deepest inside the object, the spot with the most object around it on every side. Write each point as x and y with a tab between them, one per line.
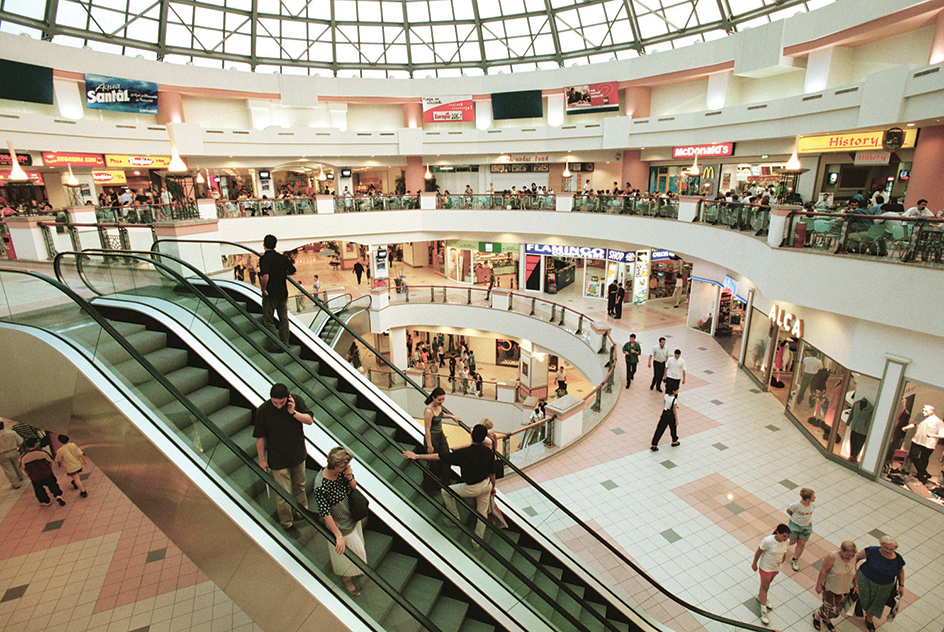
396	569
166	360
144	343
232	420
421	592
244	438
377	544
448	614
472	625
189	379
208	400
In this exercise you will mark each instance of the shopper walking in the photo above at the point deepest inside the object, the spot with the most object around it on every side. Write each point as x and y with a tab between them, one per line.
877	577
768	557
333	487
37	463
668	419
436	442
274	270
71	458
358	271
801	523
674	371
835	581
631	352
10	443
657	361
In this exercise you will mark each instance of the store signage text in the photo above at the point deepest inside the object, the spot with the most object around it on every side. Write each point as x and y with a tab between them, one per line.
786	321
580	252
25	160
707	151
147	162
63	159
523	159
109	177
447	109
661	255
850	142
873	157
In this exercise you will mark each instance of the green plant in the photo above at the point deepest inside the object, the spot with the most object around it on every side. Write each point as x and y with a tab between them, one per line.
399	184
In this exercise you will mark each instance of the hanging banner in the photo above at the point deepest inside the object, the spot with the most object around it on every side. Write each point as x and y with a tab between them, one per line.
870	141
120	95
147	162
110	177
65	158
447	109
594	97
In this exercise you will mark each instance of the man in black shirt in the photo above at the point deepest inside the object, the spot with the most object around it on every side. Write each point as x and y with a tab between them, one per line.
274	269
477	465
280	444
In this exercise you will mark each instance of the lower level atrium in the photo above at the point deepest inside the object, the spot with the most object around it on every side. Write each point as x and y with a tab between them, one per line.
691	516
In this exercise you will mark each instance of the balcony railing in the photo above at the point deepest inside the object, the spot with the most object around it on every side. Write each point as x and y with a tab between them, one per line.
735	215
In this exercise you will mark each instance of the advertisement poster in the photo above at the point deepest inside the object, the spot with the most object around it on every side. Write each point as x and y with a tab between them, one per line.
447	109
120	95
109	177
130	162
593	97
641	282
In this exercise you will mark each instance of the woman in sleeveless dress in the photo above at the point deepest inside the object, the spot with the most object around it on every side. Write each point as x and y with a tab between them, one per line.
435	439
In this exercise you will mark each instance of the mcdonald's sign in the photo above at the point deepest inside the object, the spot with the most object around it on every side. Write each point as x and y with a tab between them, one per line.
708	173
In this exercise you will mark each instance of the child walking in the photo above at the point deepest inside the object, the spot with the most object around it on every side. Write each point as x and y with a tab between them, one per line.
801	524
767	560
71	458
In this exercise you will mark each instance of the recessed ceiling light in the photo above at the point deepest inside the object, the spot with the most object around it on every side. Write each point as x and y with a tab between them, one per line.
910	125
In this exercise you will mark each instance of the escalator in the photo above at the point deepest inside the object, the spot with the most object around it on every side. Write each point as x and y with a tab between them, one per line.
542	591
587	549
199	424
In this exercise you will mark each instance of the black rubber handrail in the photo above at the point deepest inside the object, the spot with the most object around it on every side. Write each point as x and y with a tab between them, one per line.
224	440
167	271
549	497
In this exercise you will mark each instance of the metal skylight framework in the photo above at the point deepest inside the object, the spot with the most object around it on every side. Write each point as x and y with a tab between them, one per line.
381	38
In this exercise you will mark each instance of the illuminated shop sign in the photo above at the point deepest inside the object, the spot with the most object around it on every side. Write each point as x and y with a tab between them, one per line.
109	177
786	321
25	160
871	141
580	252
63	159
662	255
704	151
148	162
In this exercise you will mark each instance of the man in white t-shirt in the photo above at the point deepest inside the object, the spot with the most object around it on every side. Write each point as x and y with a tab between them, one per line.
674	372
920	210
930	429
768	557
811	366
659	355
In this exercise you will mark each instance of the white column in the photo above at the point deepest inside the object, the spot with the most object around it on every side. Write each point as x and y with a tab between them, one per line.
724	90
338	114
688	208
398	354
206	209
884	417
555	110
483	114
565	202
828	68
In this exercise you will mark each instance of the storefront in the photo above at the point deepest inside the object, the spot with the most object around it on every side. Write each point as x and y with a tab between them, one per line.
665	268
552	268
30	193
745	177
716	309
912	460
474	262
683	178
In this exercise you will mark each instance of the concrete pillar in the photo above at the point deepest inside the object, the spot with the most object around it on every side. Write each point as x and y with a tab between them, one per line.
483	114
564	202
688	208
778	225
338	114
568	425
88	234
205	257
886	409
428	201
398	354
927	170
414	174
26	236
635	170
636	101
170	107
413	115
207	209
724	90
501	298
937	44
555	110
828	68
324	204
70	98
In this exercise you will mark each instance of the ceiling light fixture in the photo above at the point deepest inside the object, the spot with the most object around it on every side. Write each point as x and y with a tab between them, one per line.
566	173
429	174
16	172
176	164
72	181
694	171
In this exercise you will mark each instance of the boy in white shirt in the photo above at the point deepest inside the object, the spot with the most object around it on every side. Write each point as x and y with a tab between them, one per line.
801	523
768	557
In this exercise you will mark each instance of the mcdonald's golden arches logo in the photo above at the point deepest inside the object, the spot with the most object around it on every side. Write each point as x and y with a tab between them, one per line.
708	173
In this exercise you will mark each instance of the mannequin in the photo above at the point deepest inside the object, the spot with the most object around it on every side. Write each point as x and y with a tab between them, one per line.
929	430
860	418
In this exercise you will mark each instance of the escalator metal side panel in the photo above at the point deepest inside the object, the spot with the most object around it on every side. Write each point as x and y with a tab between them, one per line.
192	510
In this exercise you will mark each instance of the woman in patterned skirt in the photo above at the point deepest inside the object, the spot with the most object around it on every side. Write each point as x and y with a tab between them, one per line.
333	487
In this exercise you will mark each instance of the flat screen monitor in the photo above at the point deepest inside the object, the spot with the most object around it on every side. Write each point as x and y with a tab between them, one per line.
25	82
516	105
345	173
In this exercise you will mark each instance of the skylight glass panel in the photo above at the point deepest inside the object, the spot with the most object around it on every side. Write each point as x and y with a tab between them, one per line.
512	7
463	9
345	10
489	9
743	6
440	10
26	8
417	11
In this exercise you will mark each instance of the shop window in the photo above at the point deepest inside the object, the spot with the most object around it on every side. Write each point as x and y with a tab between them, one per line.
758	341
818	394
913	458
856	418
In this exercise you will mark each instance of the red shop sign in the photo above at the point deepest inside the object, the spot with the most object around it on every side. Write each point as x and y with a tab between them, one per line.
704	151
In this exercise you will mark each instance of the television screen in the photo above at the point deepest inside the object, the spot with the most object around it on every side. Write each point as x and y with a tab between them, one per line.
264	175
853	177
25	82
345	173
516	105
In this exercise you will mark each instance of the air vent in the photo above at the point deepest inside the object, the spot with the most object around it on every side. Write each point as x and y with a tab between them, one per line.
494	131
432	133
848	90
929	71
364	134
713	113
64	122
757	107
126	126
531	129
157	129
591	125
813	97
455	133
286	133
387	134
569	127
239	131
215	131
644	121
10	116
322	133
667	118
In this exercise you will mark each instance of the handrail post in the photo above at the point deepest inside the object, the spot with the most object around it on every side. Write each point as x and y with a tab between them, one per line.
563	314
445	294
533	303
610	379
553	312
74	237
579	325
597	401
124	238
469	301
432	294
549	431
48	240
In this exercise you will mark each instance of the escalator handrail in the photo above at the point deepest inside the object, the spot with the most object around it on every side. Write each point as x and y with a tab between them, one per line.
507	462
224	440
167	271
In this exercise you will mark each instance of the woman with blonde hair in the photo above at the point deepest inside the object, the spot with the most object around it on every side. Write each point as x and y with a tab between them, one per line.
835	582
876	577
333	487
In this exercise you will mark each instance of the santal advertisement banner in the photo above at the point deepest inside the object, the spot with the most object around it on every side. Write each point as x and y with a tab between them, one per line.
593	97
146	162
447	109
120	95
110	177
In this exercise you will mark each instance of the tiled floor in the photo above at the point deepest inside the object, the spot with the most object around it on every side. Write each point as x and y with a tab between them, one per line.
689	516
